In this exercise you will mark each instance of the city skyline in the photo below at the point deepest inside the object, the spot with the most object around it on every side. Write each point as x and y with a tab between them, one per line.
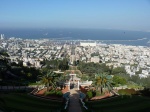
99	14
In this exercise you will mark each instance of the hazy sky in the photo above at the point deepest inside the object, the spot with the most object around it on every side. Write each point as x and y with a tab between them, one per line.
105	14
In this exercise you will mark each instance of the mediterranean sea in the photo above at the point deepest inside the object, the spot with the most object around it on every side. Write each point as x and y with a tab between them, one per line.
109	36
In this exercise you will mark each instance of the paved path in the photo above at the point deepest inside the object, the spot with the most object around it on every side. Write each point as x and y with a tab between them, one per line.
74	105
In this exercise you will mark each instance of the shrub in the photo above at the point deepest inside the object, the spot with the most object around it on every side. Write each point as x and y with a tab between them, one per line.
145	92
121	92
59	93
54	93
89	94
93	93
49	93
126	91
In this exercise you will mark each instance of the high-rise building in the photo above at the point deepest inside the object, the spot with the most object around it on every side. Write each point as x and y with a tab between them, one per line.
2	36
27	44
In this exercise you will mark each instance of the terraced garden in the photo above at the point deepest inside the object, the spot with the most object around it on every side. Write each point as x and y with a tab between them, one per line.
120	104
20	102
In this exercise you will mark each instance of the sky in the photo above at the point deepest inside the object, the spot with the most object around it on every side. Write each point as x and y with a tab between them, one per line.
99	14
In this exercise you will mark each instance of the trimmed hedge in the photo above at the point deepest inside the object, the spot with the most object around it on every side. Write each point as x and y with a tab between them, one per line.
127	92
54	93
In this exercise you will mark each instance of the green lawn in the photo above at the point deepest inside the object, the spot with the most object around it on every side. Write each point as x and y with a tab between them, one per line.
24	103
121	104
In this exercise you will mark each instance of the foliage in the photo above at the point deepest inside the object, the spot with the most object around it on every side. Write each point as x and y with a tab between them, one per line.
134	85
92	68
3	53
52	64
4	62
126	92
89	94
62	79
51	93
145	92
49	79
19	73
59	93
56	64
85	77
103	80
54	93
145	82
63	65
118	70
118	80
118	104
97	93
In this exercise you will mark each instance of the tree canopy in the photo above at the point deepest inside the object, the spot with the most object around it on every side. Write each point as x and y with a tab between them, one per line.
118	80
92	68
103	80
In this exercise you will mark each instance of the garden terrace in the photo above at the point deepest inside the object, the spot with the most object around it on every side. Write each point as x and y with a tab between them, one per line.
125	103
20	102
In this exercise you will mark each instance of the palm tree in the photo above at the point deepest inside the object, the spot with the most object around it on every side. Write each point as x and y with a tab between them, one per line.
62	79
49	79
103	80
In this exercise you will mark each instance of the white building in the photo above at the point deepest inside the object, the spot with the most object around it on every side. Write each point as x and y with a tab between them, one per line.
87	44
95	59
142	76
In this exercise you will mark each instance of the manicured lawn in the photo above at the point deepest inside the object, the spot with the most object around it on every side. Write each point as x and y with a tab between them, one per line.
121	104
24	103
